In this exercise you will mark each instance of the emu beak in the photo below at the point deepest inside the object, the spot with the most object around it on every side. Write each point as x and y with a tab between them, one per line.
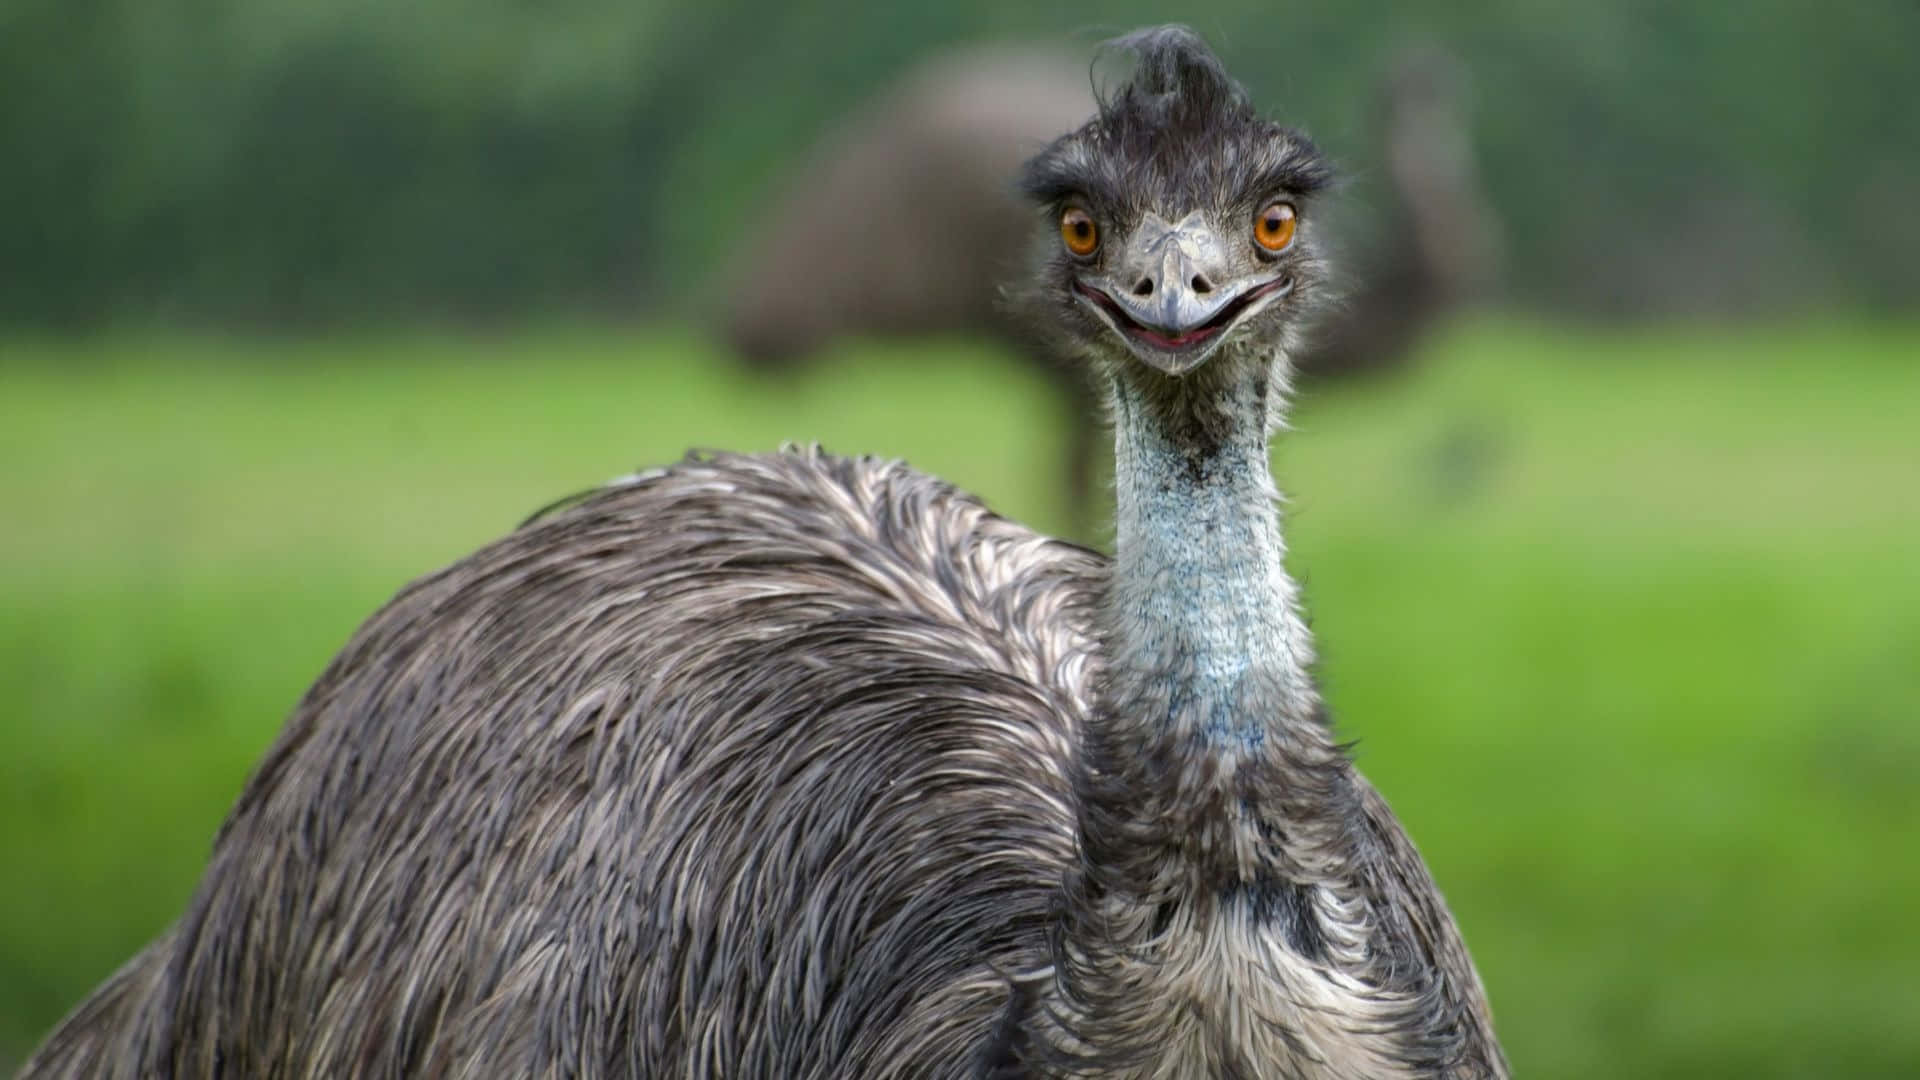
1170	295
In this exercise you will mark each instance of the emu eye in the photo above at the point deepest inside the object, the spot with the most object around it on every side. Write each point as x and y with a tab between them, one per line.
1078	231
1273	227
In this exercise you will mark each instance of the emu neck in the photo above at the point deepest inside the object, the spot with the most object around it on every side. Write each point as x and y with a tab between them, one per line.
1201	621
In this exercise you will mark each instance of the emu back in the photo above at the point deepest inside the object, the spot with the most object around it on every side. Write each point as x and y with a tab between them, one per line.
754	766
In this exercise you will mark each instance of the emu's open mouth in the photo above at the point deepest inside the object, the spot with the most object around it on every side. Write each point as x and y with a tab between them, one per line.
1190	339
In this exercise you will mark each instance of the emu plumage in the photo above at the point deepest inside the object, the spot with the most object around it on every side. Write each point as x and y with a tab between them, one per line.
801	766
752	767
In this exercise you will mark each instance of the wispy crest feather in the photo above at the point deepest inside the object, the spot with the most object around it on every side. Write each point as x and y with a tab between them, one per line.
1178	130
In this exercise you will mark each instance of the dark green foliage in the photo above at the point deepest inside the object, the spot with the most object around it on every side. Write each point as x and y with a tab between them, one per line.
298	161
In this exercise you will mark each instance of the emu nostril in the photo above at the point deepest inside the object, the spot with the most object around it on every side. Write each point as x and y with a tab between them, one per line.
1144	287
1201	284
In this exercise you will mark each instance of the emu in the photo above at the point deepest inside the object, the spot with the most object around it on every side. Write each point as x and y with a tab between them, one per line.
850	246
904	222
802	766
1441	250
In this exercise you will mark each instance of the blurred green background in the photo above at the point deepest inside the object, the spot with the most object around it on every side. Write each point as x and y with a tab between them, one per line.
1615	579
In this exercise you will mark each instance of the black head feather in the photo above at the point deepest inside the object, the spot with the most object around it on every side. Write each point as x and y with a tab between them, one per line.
1179	133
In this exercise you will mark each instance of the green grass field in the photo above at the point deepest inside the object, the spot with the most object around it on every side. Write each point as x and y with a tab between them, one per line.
1628	625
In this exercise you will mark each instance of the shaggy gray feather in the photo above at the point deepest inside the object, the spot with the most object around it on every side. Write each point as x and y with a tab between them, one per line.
800	766
754	767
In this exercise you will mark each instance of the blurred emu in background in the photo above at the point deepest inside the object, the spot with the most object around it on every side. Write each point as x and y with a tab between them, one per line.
901	223
1438	243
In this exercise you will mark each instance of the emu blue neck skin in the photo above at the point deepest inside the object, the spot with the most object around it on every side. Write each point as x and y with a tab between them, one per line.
1201	612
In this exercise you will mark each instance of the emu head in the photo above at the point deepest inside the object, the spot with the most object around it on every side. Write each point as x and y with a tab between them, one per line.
1178	221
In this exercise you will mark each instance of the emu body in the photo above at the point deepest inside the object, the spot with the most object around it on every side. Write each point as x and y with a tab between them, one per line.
800	766
753	767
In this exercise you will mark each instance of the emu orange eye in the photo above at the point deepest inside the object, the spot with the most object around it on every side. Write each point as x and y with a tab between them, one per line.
1273	227
1078	231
